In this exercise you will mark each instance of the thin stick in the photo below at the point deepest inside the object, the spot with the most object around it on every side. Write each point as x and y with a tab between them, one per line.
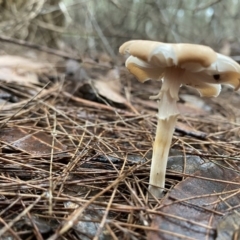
51	165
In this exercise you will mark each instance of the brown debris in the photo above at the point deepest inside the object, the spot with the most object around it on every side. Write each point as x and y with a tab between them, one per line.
195	205
68	162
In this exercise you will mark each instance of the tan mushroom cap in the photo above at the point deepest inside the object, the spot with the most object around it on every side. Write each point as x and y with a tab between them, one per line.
203	68
153	52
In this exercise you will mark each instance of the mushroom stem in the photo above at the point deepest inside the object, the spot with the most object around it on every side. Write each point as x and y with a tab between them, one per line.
161	146
167	118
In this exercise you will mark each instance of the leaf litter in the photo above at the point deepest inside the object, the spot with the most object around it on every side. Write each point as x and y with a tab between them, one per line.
75	161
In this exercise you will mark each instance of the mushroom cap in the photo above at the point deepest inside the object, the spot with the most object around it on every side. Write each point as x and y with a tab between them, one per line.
202	67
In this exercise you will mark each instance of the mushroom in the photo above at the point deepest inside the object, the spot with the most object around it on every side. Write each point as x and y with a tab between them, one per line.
196	66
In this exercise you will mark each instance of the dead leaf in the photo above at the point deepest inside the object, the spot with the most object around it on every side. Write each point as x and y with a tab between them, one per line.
43	225
9	75
194	207
105	60
87	227
104	89
110	87
19	69
188	109
189	130
36	143
176	163
227	226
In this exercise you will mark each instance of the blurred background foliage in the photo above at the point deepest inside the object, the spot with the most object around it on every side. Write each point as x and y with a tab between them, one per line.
90	26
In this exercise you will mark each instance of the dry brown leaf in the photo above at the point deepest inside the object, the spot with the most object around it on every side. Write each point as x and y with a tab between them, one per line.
188	109
104	60
105	90
110	87
20	69
228	227
10	75
194	207
189	130
29	141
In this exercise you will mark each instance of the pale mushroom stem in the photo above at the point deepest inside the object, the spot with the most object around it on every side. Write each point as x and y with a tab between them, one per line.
167	117
161	146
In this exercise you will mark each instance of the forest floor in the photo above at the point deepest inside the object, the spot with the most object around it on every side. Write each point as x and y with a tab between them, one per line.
76	144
